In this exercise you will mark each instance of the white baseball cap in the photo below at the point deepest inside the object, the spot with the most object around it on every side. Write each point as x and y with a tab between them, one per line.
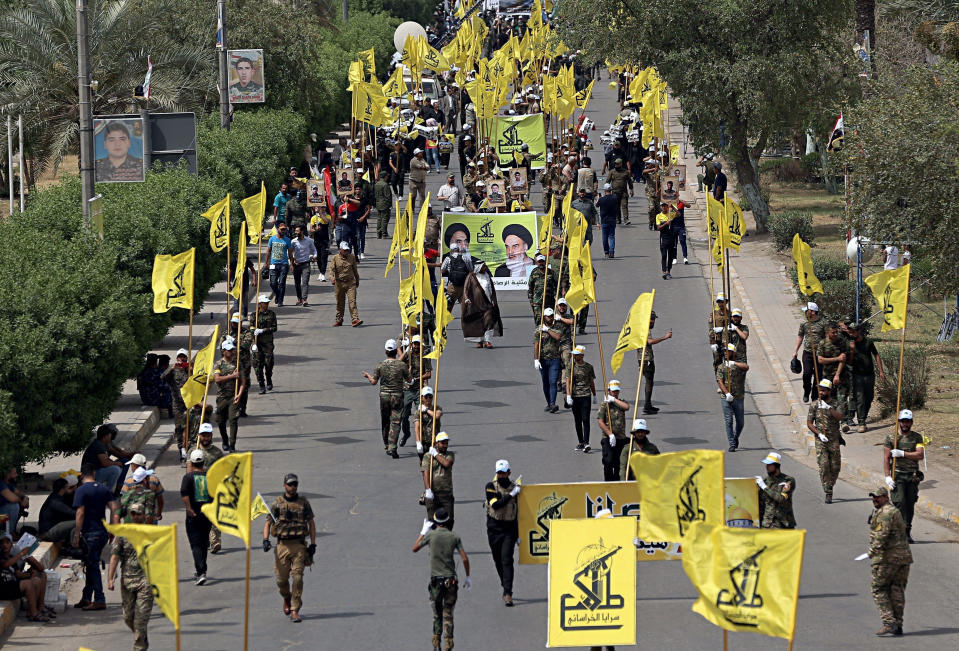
639	424
417	151
344	246
206	428
416	339
562	301
197	456
137	459
264	298
825	383
812	306
773	457
548	312
613	385
579	350
737	311
235	318
502	465
540	256
607	186
390	344
720	297
427	391
71	479
182	351
140	474
442	436
227	345
603	514
905	414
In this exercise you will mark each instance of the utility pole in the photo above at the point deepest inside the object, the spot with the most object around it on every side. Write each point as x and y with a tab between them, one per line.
22	172
86	109
10	161
346	11
222	57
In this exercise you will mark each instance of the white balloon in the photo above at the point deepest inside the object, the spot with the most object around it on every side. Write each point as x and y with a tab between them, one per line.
409	28
868	249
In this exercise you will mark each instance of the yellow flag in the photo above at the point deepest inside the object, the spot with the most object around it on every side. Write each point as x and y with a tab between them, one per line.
677	489
721	243
412	56
237	286
369	103
395	86
586	261
194	391
511	133
156	553
355	74
230	483
674	154
592	582
576	294
254	208
714	209
259	508
638	85
891	289
420	237
219	216
546	227
433	59
735	221
582	97
369	59
173	281
805	272
399	236
443	319
747	579
635	329
412	292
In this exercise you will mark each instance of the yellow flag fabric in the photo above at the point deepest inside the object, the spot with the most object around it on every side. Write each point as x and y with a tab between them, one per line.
355	74
802	256
592	582
419	240
714	210
635	329
582	97
412	55
156	553
638	86
254	208
259	507
721	243
674	154
395	86
433	59
173	281
734	221
677	489
399	236
443	319
546	226
891	289
747	579
511	133
581	289
219	216
237	286
230	484
369	60
194	391
412	290
369	104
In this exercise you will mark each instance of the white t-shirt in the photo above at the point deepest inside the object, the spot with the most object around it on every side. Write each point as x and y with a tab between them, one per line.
892	258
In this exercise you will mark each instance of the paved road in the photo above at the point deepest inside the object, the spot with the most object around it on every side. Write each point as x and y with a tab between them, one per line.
369	592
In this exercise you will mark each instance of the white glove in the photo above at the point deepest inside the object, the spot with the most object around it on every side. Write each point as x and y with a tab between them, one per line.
715	347
419	448
467	583
636	542
405	342
822	437
515	491
890	483
729	397
861	557
423	408
427	525
537	365
569	401
612	439
823	404
428	494
898	454
608	398
718	329
433	451
258	332
544	328
730	363
760	482
253	348
731	327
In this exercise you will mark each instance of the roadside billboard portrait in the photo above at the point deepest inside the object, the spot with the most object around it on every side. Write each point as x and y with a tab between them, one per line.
503	241
118	149
246	77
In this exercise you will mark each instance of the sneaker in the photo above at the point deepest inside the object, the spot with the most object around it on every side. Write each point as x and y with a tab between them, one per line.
395	454
586	448
579	447
362	256
547	407
554	409
862	429
321	278
845	428
612	255
182	454
669	276
651	410
664	276
805	397
262	389
685	261
200	579
299	301
732	448
306	304
828	498
337	324
674	260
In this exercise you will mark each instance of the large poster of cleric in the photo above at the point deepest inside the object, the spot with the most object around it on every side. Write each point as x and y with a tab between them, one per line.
506	242
246	77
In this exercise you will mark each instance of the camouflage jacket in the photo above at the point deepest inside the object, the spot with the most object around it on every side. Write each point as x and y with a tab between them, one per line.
617	419
225	389
825	423
907	443
442	480
583	376
776	502
534	290
818	330
265	321
888	542
392	374
130	571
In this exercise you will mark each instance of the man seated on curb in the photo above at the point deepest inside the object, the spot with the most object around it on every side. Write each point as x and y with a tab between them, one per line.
57	516
110	473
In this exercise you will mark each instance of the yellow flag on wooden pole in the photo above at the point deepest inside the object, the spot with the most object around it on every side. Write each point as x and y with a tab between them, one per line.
194	391
891	289
156	554
237	288
635	329
805	273
254	207
219	216
443	319
229	481
173	281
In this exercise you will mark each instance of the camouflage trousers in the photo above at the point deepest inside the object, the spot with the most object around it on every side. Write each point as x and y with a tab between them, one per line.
227	414
137	597
829	459
290	558
566	355
442	592
391	411
843	394
179	423
263	362
216	540
889	591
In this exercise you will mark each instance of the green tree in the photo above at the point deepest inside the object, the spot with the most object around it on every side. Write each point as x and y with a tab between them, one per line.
748	68
902	148
38	68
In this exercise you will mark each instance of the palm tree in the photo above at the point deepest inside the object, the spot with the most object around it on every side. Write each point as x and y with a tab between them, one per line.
38	69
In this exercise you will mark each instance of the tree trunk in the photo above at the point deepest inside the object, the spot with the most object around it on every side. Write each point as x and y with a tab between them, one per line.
866	21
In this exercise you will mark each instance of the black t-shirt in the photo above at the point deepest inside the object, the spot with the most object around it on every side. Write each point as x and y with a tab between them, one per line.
608	208
54	511
862	357
91	456
94	496
194	487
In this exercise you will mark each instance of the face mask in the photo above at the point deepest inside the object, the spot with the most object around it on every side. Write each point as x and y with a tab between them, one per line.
503	481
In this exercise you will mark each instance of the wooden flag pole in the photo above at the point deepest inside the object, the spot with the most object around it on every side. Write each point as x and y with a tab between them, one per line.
246	604
639	383
726	640
902	349
176	587
228	281
599	336
185	436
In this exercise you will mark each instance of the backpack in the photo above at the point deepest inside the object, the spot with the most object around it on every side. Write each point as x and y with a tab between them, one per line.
458	271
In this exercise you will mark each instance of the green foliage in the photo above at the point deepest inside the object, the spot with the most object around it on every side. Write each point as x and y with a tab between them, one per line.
420	11
784	170
838	300
827	267
915	378
904	160
785	224
744	198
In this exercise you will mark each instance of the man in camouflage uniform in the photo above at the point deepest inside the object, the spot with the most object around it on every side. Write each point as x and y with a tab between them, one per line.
176	376
428	424
470	178
811	333
198	416
141	487
731	379
738	333
891	558
776	495
244	347
717	322
639	443
229	383
611	420
291	522
262	348
392	374
384	205
534	288
558	186
437	468
413	357
653	181
621	181
564	320
823	421
833	356
135	590
901	457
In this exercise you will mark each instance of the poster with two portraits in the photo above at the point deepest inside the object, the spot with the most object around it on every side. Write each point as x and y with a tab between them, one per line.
506	242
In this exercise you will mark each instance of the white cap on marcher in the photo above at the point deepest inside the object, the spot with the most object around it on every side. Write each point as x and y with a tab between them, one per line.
71	479
502	465
720	297
639	424
737	311
427	391
206	428
773	457
731	347
182	351
548	312
197	456
264	298
540	256
227	345
905	414
390	344
344	246
579	349
825	383
812	306
442	436
416	339
607	186
417	151
613	385
562	301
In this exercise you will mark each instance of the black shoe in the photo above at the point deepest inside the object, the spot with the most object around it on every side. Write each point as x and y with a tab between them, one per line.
406	437
269	385
395	454
579	447
554	409
650	410
909	538
805	397
586	448
581	331
732	448
612	255
243	413
669	276
665	276
262	389
548	408
898	631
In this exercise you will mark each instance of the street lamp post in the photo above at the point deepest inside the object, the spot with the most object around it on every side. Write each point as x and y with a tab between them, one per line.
86	109
222	59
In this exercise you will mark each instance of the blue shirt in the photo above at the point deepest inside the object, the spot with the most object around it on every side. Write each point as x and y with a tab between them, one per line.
5	486
280	202
279	249
719	186
95	497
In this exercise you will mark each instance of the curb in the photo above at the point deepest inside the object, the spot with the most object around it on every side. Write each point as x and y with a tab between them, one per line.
47	554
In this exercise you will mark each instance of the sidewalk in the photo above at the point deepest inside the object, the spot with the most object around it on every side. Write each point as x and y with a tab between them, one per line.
761	286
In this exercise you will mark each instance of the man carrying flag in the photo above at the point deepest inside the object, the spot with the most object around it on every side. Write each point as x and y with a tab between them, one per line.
292	520
135	589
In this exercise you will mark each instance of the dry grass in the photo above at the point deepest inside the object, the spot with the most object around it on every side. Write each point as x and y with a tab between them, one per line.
69	167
